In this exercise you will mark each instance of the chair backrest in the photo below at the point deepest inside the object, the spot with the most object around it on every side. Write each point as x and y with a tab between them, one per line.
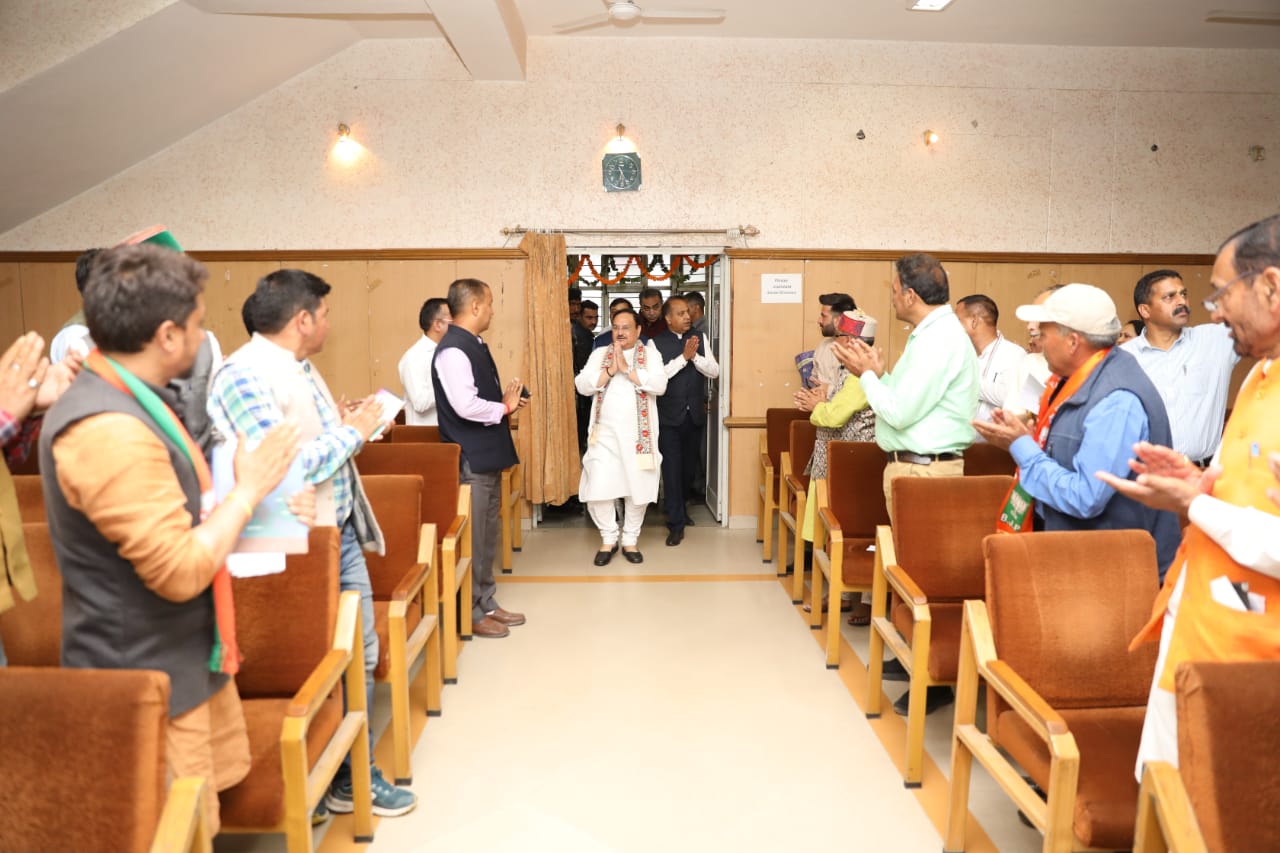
777	427
30	491
1228	734
437	464
32	630
415	434
397	504
981	460
855	470
1064	607
800	446
285	622
938	527
97	734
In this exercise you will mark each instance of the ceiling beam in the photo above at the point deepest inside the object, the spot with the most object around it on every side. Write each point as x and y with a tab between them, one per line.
487	35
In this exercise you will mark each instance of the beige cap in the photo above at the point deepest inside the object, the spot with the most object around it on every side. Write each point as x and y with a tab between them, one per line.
1082	307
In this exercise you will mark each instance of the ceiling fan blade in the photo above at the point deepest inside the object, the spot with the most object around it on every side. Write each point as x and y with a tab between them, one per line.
686	14
583	23
1228	16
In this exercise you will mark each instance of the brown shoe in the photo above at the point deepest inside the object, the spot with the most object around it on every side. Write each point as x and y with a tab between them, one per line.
489	627
506	617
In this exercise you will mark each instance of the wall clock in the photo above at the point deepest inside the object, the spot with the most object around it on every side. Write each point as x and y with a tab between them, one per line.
621	172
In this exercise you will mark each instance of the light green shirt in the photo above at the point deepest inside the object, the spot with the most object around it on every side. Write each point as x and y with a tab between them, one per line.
926	403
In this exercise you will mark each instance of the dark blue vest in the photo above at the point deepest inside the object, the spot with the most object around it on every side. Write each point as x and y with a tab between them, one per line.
1119	371
686	390
486	448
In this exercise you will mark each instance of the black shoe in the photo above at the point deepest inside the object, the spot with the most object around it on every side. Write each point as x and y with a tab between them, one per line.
937	697
1039	793
633	557
674	537
603	557
894	671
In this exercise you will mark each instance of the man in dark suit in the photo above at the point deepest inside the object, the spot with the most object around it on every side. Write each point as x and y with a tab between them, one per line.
682	410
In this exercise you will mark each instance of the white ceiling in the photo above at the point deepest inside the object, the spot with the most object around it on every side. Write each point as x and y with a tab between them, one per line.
91	87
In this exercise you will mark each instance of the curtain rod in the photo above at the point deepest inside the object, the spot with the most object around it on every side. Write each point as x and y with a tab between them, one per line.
739	231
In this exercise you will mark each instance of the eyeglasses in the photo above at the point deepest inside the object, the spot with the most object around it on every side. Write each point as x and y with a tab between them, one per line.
1211	304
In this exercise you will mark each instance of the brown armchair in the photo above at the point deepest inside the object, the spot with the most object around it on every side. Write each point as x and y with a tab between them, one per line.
32	630
300	638
446	503
774	441
1220	797
850	506
106	729
792	496
30	491
932	563
1066	698
983	460
404	581
402	434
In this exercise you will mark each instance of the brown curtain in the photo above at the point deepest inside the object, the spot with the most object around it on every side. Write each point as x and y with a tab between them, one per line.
548	425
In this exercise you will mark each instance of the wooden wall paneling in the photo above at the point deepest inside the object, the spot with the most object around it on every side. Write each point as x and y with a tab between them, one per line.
744	479
11	325
49	296
766	338
228	286
344	362
508	331
866	281
1116	279
397	290
1011	285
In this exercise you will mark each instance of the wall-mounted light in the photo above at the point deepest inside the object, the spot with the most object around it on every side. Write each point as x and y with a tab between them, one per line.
346	150
927	5
620	144
930	138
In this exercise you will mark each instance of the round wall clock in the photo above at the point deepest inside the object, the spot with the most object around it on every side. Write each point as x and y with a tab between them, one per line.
621	172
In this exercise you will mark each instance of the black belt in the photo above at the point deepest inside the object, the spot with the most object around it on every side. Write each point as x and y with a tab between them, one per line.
1202	463
920	458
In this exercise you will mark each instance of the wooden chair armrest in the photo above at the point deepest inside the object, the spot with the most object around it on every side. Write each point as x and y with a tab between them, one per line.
411	584
1166	820
427	544
834	532
907	590
884	545
184	823
978	625
320	683
455	530
1024	700
766	464
794	486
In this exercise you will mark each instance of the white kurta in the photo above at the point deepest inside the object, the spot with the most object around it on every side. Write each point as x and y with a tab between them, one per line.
611	467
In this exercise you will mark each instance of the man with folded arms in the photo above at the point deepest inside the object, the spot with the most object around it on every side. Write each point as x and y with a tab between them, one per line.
1190	365
139	543
1097	406
1219	601
475	414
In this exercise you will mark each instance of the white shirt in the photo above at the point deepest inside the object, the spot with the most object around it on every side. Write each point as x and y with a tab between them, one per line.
73	337
415	376
1249	536
705	364
1192	377
998	366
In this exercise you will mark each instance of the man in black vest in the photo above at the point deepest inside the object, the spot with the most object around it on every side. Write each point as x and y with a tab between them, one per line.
474	414
682	411
141	550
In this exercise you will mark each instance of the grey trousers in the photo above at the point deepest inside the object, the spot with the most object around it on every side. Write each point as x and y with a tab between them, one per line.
486	520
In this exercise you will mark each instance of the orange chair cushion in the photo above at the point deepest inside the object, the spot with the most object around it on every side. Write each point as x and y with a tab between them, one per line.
944	635
800	446
1107	793
258	801
30	491
32	630
855	470
95	735
397	504
411	619
778	432
857	562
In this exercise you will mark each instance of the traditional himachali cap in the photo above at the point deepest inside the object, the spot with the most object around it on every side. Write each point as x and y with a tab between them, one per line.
1081	307
857	323
837	301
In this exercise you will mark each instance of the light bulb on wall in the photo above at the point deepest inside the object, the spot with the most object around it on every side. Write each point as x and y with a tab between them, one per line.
930	138
346	150
620	144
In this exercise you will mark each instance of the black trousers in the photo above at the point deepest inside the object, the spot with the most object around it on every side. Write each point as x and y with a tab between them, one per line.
678	444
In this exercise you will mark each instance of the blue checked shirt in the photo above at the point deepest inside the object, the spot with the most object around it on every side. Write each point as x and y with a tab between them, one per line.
240	402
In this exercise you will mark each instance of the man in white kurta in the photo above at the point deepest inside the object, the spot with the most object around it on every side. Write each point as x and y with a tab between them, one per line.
622	459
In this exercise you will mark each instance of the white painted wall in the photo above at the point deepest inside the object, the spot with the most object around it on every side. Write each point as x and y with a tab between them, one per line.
1043	149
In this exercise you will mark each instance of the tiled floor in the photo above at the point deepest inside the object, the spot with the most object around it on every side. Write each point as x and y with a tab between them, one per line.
681	704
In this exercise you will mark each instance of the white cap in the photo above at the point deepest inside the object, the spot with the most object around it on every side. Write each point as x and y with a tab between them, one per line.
1081	307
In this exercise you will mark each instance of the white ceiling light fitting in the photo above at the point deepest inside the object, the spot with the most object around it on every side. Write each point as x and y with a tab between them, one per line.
927	5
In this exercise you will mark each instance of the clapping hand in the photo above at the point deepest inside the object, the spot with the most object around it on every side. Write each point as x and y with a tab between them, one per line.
857	357
1166	479
690	347
1003	429
365	416
22	375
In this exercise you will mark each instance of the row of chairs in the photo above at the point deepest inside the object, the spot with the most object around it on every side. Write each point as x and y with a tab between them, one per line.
1042	621
413	583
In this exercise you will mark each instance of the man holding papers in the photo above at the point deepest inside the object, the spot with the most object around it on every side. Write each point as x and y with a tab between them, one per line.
270	380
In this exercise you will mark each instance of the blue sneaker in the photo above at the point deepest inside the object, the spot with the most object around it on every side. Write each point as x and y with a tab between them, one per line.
320	815
388	800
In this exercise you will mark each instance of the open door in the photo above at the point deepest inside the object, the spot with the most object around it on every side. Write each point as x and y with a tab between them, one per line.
715	280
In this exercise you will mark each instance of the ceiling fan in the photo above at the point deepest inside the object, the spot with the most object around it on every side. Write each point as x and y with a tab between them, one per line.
626	11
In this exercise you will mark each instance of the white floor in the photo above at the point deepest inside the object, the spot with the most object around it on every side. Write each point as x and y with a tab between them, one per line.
634	713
